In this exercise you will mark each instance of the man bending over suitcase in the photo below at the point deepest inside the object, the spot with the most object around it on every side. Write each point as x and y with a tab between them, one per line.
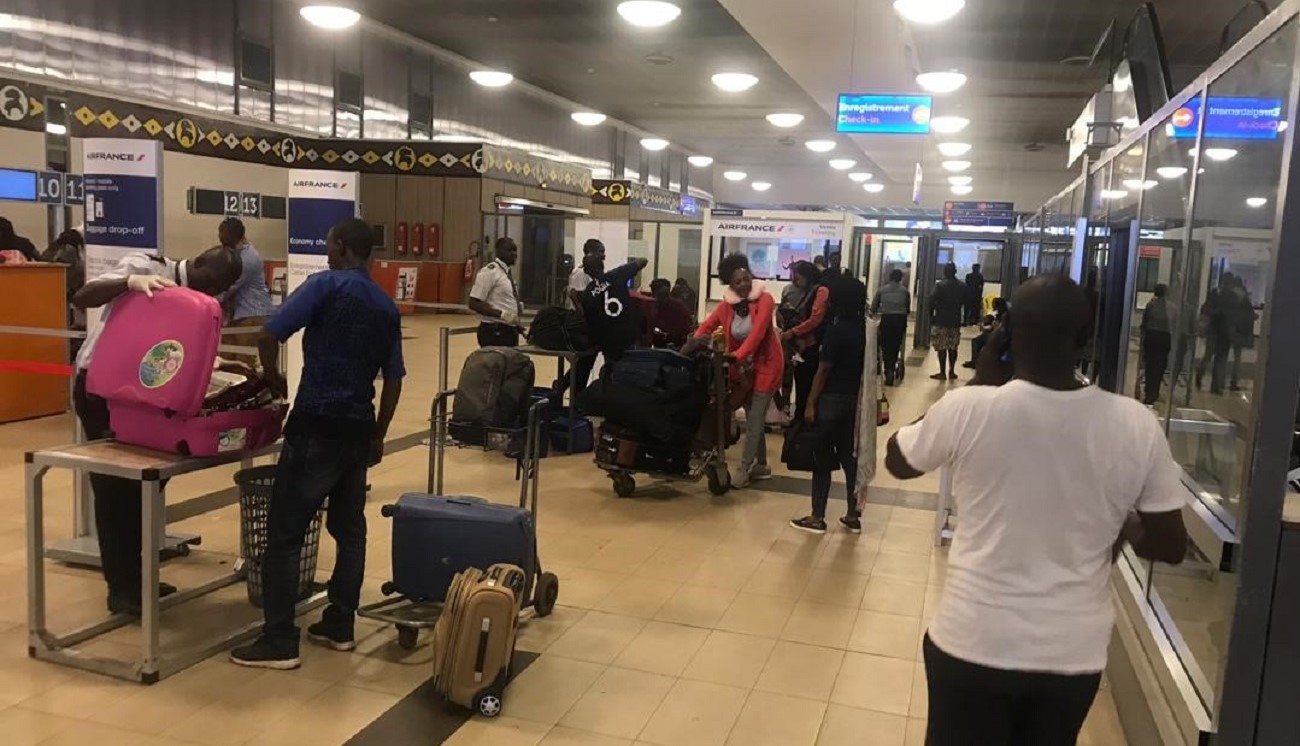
353	333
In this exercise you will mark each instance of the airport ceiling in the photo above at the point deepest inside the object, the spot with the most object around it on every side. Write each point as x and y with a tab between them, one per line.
1024	89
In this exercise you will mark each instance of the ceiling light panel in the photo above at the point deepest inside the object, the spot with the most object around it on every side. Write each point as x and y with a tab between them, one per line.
734	82
761	186
1171	172
949	125
653	143
842	164
1256	202
587	118
491	78
785	119
941	82
959	180
956	166
820	146
735	175
954	149
860	176
700	161
874	187
928	11
331	17
648	13
962	189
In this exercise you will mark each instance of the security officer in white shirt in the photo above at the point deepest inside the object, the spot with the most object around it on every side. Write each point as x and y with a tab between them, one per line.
495	298
117	500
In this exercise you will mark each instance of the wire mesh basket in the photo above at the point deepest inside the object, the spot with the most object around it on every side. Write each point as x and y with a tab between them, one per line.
255	488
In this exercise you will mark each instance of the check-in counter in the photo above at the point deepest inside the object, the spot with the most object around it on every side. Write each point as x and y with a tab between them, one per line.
33	380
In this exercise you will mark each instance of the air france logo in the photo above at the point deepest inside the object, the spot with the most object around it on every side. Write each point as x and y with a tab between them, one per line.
123	157
756	227
321	184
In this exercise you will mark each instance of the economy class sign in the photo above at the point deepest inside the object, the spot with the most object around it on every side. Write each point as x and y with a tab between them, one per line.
863	113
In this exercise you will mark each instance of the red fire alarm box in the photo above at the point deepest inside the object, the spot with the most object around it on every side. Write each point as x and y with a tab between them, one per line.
417	239
401	238
433	240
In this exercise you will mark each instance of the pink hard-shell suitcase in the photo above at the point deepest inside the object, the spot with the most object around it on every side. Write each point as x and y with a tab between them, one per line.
153	364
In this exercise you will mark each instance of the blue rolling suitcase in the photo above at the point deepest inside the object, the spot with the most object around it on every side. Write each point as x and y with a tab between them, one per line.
436	537
571	435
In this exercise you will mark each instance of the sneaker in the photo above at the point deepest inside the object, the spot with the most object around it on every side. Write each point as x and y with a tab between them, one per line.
952	376
810	524
741	480
333	636
265	654
760	472
939	376
131	606
852	524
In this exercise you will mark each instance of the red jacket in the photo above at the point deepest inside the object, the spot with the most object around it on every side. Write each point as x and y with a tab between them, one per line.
762	346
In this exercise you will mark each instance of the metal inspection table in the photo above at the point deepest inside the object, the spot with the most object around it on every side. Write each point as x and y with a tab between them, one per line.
151	469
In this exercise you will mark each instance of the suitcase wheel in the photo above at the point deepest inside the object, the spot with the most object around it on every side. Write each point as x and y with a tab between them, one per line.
388	588
545	594
719	480
624	484
488	703
388	511
407	636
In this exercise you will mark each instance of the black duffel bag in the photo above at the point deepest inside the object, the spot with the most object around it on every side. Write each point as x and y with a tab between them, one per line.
560	330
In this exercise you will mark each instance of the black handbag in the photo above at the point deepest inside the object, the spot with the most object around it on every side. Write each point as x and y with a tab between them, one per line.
798	452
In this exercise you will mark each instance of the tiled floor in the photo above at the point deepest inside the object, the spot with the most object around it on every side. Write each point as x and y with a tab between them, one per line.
684	619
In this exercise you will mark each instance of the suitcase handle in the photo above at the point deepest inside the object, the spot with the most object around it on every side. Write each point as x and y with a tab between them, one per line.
466	500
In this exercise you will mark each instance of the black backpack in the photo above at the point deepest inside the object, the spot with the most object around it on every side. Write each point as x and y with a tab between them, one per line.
559	329
494	391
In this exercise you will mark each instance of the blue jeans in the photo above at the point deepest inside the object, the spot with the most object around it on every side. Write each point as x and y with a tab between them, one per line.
835	426
311	469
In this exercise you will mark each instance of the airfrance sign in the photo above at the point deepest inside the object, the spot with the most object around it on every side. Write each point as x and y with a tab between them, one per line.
123	199
779	230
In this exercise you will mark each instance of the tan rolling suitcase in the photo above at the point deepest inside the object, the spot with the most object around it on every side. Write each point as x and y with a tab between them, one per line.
474	638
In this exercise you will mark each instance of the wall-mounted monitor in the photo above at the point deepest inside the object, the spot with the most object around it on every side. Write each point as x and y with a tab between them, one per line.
1230	118
876	114
17	185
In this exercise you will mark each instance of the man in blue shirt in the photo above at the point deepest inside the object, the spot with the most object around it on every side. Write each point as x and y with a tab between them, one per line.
353	333
248	302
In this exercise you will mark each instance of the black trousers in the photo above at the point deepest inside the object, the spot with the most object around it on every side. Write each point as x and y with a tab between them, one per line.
312	468
973	705
492	334
836	449
893	331
118	504
1155	359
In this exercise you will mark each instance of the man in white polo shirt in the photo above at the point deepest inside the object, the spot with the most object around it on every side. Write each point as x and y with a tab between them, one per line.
496	300
117	500
1050	476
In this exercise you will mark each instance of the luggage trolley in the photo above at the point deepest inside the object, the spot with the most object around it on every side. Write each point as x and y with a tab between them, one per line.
708	457
410	615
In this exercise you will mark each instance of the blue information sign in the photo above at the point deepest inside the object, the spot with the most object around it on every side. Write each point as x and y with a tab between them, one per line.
1231	118
17	185
122	211
980	214
864	113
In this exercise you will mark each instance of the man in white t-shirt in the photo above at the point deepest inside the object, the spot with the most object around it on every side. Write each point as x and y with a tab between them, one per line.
495	298
581	278
1050	477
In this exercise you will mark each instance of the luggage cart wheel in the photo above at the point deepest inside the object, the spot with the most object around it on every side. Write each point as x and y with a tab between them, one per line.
545	594
719	480
624	484
388	588
407	636
488	703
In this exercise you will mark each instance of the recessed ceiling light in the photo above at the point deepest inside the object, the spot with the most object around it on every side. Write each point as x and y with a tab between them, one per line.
1256	201
843	164
332	17
874	187
700	161
820	146
54	128
959	180
956	166
734	175
8	21
587	118
962	189
928	11
761	186
648	13
941	82
491	78
1220	154
734	82
785	119
1113	194
1171	172
1138	184
860	176
949	125
954	149
653	143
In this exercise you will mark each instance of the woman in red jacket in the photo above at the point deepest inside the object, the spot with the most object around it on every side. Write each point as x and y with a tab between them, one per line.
805	335
746	316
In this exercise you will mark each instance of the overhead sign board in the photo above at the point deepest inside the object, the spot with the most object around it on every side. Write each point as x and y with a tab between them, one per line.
17	185
980	214
1230	118
873	114
776	230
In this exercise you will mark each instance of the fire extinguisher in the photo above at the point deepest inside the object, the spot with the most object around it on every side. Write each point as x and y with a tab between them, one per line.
401	238
417	239
432	240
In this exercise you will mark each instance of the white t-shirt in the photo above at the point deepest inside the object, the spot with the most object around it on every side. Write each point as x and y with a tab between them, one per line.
1043	481
493	286
134	263
579	280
